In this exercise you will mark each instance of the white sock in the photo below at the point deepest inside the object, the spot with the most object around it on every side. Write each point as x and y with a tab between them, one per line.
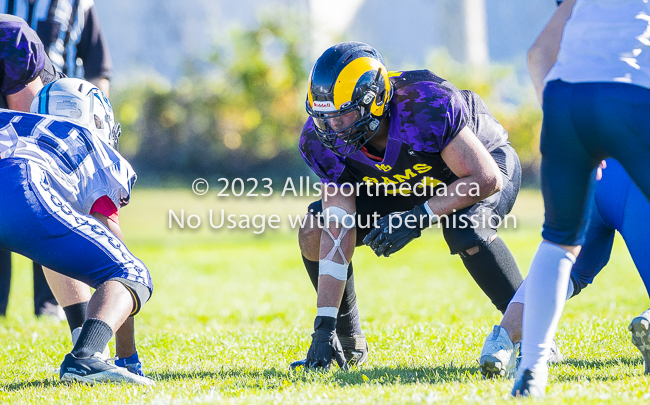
546	293
570	289
520	295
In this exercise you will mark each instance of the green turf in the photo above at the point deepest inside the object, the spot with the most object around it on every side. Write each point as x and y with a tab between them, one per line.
231	309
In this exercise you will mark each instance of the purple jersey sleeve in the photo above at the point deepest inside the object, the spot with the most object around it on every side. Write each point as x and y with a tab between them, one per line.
322	161
430	114
21	54
455	120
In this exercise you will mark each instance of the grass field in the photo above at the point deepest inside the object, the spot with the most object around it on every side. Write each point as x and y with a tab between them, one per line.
232	309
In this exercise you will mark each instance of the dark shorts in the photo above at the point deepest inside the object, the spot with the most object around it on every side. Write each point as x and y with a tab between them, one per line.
585	123
458	237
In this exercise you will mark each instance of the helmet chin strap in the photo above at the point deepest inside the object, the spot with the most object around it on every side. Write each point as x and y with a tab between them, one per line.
367	137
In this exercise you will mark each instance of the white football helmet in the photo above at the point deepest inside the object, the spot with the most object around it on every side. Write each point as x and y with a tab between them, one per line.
82	103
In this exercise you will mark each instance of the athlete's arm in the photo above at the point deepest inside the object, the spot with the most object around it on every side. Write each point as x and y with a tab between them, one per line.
543	53
478	174
22	100
478	178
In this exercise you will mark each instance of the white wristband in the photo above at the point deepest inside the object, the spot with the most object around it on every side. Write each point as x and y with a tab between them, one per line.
432	216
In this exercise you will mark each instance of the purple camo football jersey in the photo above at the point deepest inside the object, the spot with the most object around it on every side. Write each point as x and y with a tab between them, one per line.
426	113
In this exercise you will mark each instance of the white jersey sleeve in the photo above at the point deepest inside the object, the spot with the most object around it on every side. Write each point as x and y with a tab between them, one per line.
109	175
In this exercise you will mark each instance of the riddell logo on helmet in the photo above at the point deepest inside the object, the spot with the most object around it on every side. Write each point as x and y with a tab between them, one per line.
324	106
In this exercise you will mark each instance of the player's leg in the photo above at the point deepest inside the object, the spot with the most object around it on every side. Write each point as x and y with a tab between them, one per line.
40	224
631	222
567	164
635	233
348	322
595	253
627	138
472	234
45	303
73	296
125	349
487	257
5	280
605	218
593	257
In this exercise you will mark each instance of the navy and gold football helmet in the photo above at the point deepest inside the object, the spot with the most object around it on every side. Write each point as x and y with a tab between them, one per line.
348	95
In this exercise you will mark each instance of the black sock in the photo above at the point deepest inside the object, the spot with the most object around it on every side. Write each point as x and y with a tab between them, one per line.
5	279
495	270
95	335
348	322
76	314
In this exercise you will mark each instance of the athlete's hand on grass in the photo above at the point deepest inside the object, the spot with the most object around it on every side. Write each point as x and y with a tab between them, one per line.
396	230
325	345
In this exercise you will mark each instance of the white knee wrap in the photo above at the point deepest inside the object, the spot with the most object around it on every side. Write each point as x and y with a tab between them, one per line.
328	266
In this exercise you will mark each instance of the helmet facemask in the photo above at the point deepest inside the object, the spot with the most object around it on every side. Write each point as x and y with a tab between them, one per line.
346	130
102	119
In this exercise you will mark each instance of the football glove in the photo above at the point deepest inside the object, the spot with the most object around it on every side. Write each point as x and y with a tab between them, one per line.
325	345
396	230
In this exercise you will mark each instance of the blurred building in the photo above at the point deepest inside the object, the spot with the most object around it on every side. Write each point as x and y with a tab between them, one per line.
161	35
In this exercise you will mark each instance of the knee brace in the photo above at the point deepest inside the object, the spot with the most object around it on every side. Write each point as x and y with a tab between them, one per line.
327	265
139	292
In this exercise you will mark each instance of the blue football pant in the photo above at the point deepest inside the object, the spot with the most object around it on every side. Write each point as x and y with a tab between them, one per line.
619	206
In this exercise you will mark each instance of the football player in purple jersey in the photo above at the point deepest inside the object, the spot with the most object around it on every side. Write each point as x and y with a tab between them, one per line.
413	150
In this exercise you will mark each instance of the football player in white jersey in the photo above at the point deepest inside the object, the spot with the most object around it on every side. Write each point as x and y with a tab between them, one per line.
62	183
592	62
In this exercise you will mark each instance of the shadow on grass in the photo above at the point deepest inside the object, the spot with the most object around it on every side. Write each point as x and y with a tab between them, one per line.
356	376
275	378
278	378
634	363
32	384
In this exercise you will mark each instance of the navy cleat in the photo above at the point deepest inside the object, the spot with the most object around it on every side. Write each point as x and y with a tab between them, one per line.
95	369
529	384
640	328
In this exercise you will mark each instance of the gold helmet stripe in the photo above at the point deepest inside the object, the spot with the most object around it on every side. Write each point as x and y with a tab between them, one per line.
310	97
348	78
